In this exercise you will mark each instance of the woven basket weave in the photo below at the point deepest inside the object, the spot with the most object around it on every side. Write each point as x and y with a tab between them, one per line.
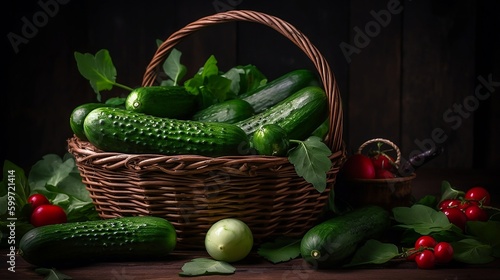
192	191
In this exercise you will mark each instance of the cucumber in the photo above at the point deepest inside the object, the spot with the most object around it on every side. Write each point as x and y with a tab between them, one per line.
278	89
322	130
78	116
128	238
271	140
229	111
299	114
119	130
334	241
162	101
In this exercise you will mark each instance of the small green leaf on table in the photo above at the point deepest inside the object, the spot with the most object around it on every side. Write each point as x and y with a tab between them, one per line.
52	274
374	252
472	251
205	266
311	161
487	232
281	250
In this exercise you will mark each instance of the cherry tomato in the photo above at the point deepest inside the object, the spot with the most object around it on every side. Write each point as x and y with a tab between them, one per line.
48	214
443	252
475	213
456	217
478	194
425	241
359	166
425	259
37	199
448	203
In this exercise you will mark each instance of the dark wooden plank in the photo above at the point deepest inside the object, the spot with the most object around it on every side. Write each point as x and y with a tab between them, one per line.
255	267
438	77
374	53
487	116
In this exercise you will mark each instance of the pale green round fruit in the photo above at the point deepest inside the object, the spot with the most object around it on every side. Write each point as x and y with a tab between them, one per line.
229	240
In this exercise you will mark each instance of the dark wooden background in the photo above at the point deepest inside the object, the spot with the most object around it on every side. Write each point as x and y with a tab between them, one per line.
415	73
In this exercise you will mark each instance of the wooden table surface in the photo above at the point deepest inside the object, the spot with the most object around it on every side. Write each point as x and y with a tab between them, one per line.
254	267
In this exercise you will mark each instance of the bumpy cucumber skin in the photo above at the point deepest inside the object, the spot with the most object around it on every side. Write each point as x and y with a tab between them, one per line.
271	140
162	101
119	130
130	238
78	116
332	242
278	89
299	114
229	111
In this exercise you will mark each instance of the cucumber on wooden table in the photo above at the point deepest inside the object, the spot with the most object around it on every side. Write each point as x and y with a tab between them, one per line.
128	238
333	241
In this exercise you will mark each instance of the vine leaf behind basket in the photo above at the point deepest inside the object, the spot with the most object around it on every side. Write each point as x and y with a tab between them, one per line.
99	70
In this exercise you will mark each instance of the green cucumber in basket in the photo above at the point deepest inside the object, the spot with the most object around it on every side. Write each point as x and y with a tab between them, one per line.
78	116
120	130
162	101
229	111
299	114
278	89
270	140
128	238
334	241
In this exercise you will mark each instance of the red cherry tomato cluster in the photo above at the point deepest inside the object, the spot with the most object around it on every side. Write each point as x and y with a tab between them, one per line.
377	166
44	213
428	252
468	208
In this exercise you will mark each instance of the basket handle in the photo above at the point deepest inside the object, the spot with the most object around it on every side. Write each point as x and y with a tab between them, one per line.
385	141
334	137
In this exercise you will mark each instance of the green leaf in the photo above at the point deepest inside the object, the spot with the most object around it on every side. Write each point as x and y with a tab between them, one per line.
487	232
203	266
52	274
251	78
374	252
447	192
472	251
14	183
219	87
116	101
59	172
234	75
173	67
428	200
99	70
311	161
60	181
422	219
210	84
281	250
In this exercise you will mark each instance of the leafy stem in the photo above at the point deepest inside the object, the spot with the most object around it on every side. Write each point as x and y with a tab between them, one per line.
123	86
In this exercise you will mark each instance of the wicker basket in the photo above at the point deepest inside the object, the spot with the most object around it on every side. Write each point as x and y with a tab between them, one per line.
193	192
387	193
